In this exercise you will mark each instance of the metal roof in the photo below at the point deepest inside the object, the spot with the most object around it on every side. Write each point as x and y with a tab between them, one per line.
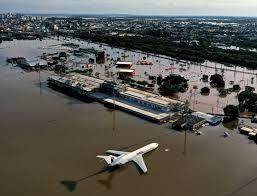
150	97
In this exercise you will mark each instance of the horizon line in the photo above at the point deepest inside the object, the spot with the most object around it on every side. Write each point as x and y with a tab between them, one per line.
124	14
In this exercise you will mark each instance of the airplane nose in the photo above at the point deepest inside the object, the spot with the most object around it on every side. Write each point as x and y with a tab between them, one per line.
156	145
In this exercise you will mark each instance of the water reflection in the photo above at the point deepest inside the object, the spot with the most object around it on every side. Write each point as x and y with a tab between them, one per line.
108	182
240	188
71	185
231	125
185	144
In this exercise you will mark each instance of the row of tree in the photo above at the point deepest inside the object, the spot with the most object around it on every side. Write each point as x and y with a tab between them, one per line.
181	50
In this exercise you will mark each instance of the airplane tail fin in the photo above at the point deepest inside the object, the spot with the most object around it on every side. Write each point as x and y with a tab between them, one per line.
108	159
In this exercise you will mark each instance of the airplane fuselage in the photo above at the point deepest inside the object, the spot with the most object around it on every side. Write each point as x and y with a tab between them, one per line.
121	160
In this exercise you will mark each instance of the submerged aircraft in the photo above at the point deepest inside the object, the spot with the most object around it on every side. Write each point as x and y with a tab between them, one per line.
123	157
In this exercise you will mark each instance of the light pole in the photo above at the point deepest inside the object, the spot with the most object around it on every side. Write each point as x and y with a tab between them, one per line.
185	142
113	94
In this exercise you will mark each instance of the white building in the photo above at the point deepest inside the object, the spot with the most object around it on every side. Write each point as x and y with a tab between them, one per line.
150	100
211	119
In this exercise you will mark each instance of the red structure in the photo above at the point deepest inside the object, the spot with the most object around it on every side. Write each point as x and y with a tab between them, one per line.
124	65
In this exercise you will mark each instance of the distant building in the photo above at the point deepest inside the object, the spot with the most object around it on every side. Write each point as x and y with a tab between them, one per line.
124	65
56	28
188	122
211	119
127	72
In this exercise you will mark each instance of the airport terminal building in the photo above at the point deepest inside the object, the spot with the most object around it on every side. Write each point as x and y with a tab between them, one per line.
151	101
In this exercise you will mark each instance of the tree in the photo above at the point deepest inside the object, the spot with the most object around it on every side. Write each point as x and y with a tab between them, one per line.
205	78
58	68
152	77
236	87
63	54
223	92
159	80
205	90
217	81
247	101
249	88
173	84
231	111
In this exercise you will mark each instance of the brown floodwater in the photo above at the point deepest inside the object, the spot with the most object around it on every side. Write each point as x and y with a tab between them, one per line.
33	49
163	65
49	144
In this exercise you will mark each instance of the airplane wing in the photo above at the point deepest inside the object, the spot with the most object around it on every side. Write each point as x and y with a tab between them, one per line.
140	162
116	152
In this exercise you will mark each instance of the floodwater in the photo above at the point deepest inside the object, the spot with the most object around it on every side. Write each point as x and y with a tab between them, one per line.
49	142
32	50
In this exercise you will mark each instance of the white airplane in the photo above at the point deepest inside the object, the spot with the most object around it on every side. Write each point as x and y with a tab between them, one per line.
124	157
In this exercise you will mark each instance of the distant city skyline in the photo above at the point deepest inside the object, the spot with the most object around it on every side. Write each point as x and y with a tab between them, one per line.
141	7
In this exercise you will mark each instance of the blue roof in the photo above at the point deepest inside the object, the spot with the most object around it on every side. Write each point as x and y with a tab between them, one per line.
216	119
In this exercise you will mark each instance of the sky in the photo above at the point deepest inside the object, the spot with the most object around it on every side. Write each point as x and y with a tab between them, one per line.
137	7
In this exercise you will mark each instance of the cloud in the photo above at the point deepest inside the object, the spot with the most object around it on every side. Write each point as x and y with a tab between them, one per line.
141	7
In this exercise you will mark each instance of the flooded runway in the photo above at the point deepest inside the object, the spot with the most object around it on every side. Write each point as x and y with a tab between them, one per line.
49	142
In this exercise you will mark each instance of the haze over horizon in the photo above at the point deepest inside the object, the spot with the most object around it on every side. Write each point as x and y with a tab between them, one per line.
142	7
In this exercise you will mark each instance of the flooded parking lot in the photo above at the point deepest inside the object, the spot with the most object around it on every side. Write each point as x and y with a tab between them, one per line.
49	142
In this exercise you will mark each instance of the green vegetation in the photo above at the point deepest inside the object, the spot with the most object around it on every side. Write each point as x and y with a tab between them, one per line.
143	83
231	111
152	78
223	92
249	88
173	84
216	80
247	101
63	54
127	80
159	80
205	91
205	78
179	50
236	88
60	68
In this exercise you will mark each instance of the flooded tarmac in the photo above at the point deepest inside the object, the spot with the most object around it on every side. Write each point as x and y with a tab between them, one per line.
49	143
162	65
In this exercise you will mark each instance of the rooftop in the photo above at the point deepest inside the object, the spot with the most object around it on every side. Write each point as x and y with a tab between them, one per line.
137	110
85	82
126	70
124	63
154	98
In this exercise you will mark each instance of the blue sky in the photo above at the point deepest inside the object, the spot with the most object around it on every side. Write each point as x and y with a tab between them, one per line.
141	7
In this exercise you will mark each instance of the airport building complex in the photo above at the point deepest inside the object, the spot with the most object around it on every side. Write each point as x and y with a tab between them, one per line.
148	105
